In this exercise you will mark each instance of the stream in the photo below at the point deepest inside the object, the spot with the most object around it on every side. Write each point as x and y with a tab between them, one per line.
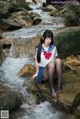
11	66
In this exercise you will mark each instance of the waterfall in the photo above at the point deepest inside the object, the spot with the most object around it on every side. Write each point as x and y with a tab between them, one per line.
0	53
12	51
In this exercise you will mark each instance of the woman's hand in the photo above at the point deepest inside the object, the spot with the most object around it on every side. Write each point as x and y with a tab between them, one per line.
35	75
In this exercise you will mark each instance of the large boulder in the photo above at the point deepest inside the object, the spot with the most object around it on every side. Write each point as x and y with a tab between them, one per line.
21	4
33	15
9	24
4	9
5	45
71	19
9	100
28	69
54	13
48	8
6	41
22	18
36	20
71	63
67	41
71	15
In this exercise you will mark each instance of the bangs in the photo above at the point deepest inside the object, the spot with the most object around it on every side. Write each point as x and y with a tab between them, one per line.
48	34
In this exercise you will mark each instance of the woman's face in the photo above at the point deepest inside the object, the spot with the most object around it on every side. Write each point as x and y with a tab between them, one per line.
47	41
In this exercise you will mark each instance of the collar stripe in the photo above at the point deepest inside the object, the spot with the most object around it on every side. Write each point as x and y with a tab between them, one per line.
51	47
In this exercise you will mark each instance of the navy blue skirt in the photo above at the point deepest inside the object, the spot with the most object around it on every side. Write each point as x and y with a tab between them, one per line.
40	74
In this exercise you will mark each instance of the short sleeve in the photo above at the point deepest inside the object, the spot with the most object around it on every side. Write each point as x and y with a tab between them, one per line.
36	50
56	53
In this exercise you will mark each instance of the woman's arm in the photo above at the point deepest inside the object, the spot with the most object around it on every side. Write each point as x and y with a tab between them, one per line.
37	66
37	69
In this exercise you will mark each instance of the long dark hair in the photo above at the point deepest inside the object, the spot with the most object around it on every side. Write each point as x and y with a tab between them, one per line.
46	34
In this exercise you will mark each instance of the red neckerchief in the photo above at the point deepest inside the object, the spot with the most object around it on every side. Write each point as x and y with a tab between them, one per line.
47	55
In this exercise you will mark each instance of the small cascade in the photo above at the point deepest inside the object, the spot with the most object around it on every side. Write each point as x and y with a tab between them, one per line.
12	51
48	22
0	53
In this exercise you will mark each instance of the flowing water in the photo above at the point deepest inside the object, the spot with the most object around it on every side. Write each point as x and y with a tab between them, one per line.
9	77
48	22
29	109
11	66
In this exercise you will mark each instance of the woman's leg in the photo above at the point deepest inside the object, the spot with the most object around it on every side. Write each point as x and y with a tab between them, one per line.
51	70
59	73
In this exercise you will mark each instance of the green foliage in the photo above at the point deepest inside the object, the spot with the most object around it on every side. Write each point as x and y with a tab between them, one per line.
7	0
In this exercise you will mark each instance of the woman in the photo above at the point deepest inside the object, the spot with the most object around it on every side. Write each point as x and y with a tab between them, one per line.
47	62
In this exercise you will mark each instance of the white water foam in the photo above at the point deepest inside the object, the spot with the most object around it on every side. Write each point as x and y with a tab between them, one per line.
10	68
42	111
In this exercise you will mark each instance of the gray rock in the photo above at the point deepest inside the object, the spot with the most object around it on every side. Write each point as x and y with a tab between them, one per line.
9	100
7	24
67	41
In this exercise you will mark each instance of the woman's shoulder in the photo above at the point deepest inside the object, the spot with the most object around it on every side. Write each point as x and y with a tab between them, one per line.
51	47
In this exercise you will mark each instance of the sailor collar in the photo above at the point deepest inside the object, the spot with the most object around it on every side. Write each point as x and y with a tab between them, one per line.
51	47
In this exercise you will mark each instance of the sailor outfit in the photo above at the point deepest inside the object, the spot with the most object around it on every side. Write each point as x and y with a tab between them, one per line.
47	55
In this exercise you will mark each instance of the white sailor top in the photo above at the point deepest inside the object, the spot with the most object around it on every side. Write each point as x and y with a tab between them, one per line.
47	55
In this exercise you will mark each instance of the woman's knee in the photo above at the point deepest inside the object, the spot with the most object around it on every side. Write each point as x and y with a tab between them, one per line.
58	61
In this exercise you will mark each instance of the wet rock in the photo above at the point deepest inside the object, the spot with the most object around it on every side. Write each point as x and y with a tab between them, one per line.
6	41
4	9
48	8
9	100
33	15
77	112
22	18
25	47
71	14
3	13
71	19
71	63
28	69
2	3
5	47
29	1
22	4
54	13
0	53
67	41
8	24
76	101
36	20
